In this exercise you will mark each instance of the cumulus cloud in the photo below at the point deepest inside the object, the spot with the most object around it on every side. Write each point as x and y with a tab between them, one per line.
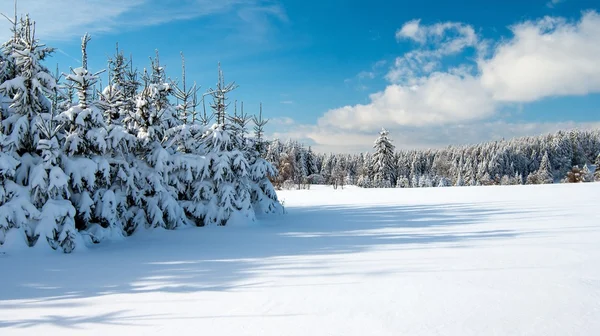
437	99
543	58
547	57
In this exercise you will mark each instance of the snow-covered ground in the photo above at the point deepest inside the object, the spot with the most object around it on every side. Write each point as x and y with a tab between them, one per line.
521	260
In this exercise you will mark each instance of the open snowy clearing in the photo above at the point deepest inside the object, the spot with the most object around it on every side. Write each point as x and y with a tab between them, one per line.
521	260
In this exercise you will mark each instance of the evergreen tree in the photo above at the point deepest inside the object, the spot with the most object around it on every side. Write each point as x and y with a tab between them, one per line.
26	88
383	161
27	85
597	172
587	174
402	182
153	117
311	164
544	174
85	163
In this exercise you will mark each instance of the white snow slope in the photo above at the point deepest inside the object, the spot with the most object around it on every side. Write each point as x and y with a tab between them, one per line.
521	260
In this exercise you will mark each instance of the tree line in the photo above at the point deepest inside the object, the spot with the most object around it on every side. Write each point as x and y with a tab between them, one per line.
81	163
563	156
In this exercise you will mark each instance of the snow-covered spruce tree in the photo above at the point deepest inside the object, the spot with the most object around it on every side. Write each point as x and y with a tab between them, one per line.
190	174
113	102
402	182
57	219
597	172
587	174
264	197
85	160
27	84
125	209
383	161
25	90
152	118
459	181
544	173
228	165
16	210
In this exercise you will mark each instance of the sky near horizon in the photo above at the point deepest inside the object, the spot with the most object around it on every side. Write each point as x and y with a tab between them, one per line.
333	73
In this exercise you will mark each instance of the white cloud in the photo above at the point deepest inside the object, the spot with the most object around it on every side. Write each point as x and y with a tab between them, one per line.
279	121
435	42
287	102
437	99
548	57
411	30
65	19
366	75
553	3
426	106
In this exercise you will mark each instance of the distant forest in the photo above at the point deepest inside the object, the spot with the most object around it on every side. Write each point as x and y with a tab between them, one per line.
564	156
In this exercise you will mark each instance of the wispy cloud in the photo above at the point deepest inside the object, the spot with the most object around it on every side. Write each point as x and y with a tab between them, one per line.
54	22
287	102
553	3
359	81
281	121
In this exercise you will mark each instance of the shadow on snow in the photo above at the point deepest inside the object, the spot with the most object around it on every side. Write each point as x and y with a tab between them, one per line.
227	258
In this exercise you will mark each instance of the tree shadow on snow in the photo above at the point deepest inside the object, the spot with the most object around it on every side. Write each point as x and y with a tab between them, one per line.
228	258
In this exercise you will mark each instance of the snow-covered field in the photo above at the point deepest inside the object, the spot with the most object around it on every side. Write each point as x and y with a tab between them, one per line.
521	260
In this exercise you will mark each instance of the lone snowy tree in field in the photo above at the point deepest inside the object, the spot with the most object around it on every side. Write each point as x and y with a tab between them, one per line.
383	161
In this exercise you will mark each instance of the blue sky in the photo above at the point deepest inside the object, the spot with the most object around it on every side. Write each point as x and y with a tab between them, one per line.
332	73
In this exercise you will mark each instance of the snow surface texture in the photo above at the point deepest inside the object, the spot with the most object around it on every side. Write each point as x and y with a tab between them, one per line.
516	260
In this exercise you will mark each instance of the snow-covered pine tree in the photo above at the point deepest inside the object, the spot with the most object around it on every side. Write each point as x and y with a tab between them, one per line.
190	170
16	210
403	182
85	162
444	182
544	173
27	85
259	132
26	88
152	118
597	172
113	101
383	161
264	197
229	168
459	181
311	164
587	174
125	209
57	218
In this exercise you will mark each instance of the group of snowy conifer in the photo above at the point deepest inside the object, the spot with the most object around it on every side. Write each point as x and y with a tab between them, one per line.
564	156
80	164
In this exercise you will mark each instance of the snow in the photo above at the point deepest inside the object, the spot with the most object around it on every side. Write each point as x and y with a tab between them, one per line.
510	260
